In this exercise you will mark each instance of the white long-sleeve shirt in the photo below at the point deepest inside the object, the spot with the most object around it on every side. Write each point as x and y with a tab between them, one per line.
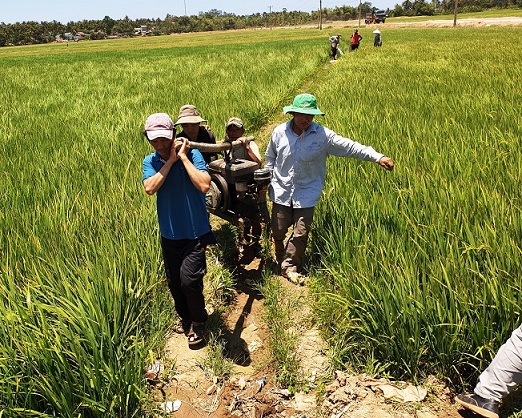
298	162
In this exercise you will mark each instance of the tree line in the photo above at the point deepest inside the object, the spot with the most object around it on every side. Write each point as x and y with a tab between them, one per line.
24	33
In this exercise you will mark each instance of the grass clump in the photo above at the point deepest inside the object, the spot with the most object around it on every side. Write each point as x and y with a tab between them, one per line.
282	340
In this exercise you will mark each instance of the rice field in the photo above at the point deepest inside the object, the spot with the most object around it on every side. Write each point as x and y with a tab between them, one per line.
418	269
422	265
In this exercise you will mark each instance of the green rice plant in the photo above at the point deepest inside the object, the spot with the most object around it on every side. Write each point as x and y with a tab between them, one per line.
421	265
282	341
74	332
82	293
219	282
216	363
424	278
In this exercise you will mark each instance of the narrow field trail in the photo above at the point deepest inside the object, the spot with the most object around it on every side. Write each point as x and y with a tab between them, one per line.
246	337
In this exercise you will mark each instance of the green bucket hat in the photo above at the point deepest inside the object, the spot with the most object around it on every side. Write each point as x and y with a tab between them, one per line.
304	103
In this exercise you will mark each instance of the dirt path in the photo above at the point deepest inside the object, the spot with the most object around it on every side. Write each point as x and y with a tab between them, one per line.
476	22
405	22
242	395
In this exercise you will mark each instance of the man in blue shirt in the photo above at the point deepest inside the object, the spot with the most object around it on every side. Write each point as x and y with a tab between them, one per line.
296	156
179	178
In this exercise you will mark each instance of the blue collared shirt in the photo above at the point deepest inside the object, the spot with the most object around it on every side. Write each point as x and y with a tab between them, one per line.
298	162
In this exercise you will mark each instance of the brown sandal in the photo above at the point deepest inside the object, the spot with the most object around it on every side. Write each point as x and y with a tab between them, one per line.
183	327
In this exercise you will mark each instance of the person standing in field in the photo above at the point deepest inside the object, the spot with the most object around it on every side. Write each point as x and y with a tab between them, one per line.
377	40
355	40
296	156
178	176
500	378
334	46
190	121
235	130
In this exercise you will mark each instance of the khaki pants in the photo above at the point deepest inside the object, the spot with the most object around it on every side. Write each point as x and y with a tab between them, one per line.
291	255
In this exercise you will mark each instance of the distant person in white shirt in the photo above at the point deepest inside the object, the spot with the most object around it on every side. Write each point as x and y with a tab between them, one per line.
377	39
334	46
296	156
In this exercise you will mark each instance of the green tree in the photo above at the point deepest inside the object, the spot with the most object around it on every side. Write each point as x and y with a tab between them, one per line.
108	25
124	27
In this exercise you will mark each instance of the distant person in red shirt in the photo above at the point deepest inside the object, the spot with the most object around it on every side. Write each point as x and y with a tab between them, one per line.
355	39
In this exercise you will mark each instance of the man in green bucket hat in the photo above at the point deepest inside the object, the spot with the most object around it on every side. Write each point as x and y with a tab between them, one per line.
296	156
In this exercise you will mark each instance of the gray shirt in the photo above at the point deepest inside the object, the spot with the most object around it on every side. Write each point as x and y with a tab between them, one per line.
298	162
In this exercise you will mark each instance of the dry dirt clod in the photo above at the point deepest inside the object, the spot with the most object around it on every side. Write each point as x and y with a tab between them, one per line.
212	389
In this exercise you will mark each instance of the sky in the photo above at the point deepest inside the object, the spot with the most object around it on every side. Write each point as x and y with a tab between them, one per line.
65	11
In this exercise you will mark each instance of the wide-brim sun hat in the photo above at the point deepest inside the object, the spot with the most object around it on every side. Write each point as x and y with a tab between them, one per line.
159	125
304	103
188	114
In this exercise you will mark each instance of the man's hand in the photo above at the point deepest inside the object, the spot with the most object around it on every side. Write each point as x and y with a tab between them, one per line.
386	163
183	146
174	151
245	142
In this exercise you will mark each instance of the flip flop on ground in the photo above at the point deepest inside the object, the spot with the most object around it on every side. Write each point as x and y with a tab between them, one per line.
183	326
196	335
